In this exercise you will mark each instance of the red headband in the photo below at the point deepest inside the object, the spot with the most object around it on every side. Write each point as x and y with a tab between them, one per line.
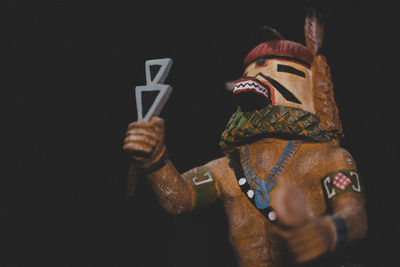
280	47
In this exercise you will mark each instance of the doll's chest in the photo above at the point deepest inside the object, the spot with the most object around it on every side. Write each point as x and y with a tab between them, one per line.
264	164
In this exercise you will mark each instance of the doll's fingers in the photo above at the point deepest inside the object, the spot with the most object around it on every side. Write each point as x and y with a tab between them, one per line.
139	124
141	138
306	256
143	131
151	124
154	123
310	228
137	148
308	251
299	238
148	140
157	123
315	242
138	160
297	245
303	248
285	234
308	246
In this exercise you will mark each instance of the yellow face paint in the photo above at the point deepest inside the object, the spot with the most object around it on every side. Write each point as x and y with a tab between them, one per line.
289	82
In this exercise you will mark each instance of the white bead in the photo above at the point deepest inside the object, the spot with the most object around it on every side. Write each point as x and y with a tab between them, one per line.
250	193
272	216
242	181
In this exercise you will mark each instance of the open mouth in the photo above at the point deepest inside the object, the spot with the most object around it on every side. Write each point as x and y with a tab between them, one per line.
249	84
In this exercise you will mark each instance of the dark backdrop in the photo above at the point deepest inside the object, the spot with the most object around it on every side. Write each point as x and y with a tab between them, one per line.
68	96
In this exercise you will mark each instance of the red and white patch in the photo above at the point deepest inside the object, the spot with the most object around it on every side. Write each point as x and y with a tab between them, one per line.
341	181
249	84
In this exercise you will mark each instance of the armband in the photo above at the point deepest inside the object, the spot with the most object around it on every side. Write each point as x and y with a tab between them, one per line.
203	182
340	182
157	165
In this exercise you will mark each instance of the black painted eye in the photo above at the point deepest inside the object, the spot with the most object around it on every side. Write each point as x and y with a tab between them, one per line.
289	69
260	61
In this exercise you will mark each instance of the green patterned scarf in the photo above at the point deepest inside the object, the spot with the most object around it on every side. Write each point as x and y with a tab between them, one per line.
283	120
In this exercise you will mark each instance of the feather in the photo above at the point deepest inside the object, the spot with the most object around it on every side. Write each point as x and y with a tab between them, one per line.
314	30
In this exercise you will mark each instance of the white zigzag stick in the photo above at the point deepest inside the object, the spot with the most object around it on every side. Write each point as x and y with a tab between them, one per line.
154	85
155	109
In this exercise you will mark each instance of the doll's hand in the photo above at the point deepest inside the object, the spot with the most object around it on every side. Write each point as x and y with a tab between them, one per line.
308	241
144	141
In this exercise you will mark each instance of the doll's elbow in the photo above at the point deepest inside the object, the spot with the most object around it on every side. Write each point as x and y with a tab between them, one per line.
173	206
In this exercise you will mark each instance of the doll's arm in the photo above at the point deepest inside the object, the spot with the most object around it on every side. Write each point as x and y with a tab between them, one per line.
179	193
176	193
344	192
345	197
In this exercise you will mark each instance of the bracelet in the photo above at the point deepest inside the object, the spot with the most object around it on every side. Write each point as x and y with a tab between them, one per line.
341	229
157	165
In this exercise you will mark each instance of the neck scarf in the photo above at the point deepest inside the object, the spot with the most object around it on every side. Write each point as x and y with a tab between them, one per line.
282	120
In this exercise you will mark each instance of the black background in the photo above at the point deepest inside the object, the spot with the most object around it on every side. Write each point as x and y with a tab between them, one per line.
67	97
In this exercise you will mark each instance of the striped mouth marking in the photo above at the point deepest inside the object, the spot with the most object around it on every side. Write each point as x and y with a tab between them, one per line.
250	84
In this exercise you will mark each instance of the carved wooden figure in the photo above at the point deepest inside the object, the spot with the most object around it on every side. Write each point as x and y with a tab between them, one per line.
289	190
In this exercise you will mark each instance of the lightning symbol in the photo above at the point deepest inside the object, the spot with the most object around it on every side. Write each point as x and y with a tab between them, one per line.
155	84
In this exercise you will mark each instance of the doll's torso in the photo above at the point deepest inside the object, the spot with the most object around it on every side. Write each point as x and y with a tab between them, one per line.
250	232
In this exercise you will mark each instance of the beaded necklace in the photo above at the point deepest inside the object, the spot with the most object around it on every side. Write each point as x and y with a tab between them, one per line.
256	189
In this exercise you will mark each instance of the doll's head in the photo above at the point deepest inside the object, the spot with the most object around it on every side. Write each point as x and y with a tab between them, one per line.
279	72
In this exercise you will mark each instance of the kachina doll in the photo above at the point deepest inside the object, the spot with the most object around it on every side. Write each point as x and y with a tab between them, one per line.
289	190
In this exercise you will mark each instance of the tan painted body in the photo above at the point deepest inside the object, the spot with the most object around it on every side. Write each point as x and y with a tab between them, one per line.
253	237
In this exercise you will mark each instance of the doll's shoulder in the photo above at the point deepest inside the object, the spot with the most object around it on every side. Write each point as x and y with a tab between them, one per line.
225	176
329	156
340	158
220	168
318	160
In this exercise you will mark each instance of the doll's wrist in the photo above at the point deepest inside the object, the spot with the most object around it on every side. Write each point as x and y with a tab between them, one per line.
157	163
339	231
